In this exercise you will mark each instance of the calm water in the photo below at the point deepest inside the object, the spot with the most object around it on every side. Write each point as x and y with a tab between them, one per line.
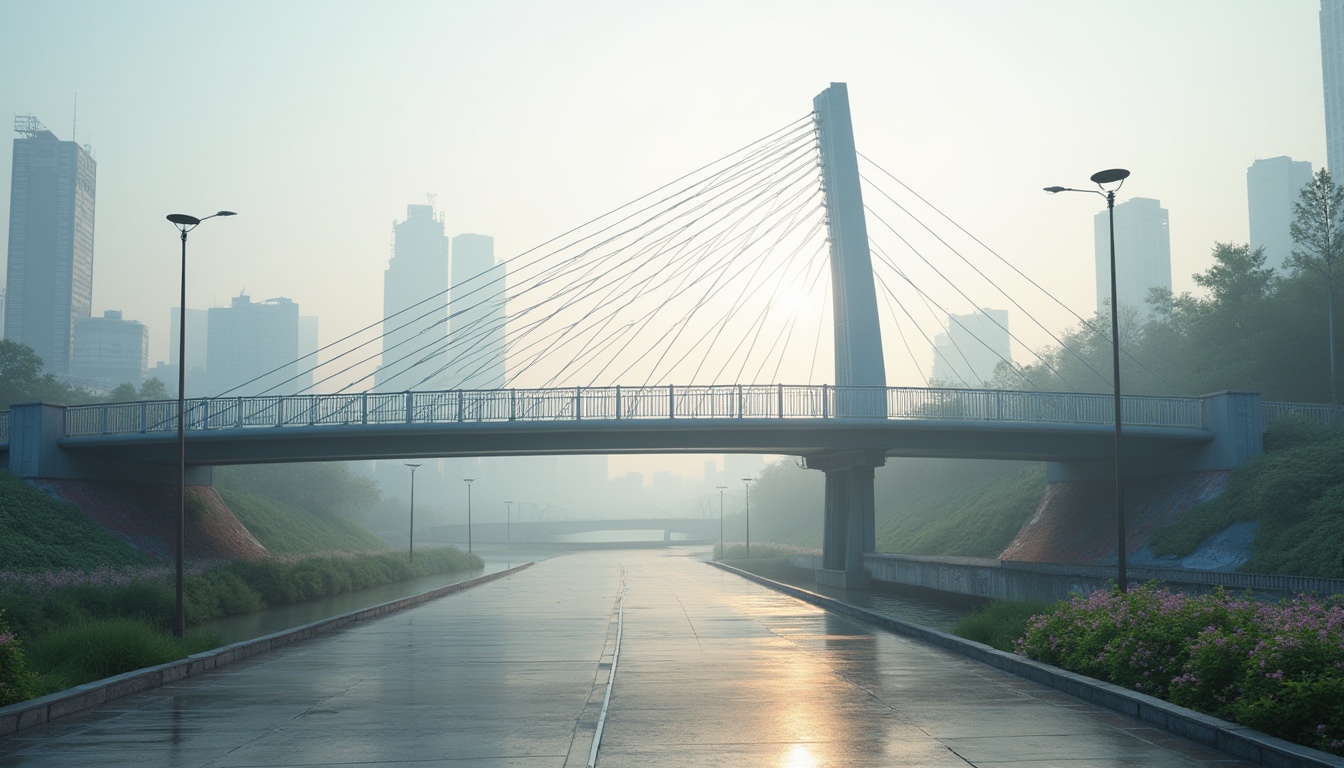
916	608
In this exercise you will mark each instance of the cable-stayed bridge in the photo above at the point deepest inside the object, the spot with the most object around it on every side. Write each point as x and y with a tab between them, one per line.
723	276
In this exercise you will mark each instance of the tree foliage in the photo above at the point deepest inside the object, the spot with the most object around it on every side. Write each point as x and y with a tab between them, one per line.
1252	329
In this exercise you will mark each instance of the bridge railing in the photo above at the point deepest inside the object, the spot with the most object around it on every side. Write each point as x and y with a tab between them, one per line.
1319	414
770	401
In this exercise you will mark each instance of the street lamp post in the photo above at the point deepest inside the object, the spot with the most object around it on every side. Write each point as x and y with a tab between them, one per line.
410	554
184	224
721	488
746	484
469	481
508	522
1115	176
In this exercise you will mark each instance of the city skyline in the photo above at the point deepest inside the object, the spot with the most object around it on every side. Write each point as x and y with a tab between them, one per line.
499	169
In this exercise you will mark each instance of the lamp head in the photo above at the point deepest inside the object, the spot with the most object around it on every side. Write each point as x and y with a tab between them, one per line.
1055	190
182	219
1110	176
226	213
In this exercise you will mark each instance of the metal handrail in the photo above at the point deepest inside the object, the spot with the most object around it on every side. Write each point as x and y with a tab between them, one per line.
754	401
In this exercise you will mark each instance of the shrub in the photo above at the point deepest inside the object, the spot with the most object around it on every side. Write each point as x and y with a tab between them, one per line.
16	682
1000	623
93	650
1278	668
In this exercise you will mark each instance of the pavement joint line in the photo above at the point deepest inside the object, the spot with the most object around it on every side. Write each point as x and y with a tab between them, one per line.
44	709
611	677
1236	740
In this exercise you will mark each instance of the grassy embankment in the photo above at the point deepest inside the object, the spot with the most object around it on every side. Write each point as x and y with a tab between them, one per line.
84	605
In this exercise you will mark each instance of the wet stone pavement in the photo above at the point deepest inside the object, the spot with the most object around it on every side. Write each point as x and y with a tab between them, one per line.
713	670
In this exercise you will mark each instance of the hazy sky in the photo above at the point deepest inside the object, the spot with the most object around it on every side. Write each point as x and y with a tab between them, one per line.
318	122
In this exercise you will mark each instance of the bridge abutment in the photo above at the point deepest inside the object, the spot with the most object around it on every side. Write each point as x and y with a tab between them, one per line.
1235	420
35	452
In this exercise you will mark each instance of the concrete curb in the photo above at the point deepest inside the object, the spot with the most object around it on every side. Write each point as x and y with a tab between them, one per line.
1238	741
27	714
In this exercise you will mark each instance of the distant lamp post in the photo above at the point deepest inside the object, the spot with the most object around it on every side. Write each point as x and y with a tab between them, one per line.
469	481
721	488
410	555
746	484
184	224
1117	177
508	521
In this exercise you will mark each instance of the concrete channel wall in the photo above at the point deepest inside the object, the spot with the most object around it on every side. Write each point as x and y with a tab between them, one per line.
1009	580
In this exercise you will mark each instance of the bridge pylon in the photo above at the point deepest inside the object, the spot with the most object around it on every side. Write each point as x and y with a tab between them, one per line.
850	514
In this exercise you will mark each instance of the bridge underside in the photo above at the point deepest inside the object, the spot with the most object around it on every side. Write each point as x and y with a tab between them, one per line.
796	437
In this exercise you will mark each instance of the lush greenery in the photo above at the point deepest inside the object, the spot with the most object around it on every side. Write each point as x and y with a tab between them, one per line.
924	506
1276	668
41	532
999	624
288	530
117	619
22	381
93	650
1253	329
1297	495
17	683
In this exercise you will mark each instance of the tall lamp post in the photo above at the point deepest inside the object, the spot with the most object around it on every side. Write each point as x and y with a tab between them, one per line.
746	485
1117	177
721	488
184	224
508	521
469	481
410	554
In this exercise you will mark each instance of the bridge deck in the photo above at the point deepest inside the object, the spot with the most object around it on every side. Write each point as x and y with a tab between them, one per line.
713	670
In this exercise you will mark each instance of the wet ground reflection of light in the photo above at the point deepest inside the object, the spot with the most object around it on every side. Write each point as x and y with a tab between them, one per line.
800	756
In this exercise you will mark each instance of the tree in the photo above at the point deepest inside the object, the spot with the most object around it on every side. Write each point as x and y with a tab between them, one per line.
1320	247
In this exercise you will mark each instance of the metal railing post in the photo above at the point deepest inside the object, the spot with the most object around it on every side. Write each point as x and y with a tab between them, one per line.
671	402
825	402
364	408
513	405
410	409
618	401
461	406
144	417
578	403
781	401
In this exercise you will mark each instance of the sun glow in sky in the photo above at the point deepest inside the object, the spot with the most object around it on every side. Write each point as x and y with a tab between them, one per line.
320	121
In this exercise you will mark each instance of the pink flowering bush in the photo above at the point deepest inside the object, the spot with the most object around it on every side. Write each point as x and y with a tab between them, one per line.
1278	668
16	682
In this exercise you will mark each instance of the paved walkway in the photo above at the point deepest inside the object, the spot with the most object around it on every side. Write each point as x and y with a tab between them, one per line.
713	670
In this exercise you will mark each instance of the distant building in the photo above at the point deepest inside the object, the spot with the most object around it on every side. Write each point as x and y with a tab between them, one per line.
253	348
308	353
1272	187
972	348
109	351
50	269
1332	72
415	303
476	316
1142	254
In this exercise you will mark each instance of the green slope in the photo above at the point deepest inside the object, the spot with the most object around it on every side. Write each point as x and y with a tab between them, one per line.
288	530
39	532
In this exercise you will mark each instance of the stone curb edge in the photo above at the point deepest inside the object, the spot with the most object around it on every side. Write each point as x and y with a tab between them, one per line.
1238	741
27	714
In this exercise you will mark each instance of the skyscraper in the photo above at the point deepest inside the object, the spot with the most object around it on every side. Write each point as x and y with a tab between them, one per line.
50	269
253	348
972	348
476	315
1142	254
1272	186
109	350
415	303
1332	71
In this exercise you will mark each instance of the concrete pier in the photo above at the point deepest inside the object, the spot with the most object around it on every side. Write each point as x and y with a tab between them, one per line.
712	670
